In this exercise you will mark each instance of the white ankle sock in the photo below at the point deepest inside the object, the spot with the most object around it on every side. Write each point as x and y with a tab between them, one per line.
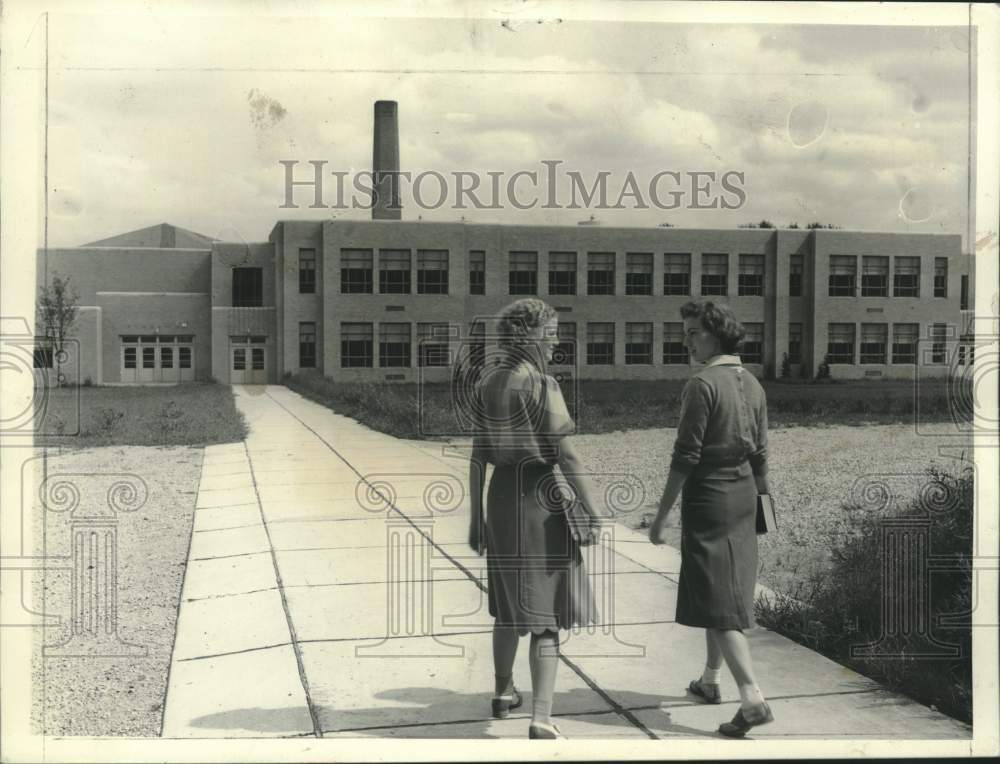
711	675
750	696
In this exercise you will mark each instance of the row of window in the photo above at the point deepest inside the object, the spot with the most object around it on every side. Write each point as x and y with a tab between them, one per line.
357	344
394	274
874	347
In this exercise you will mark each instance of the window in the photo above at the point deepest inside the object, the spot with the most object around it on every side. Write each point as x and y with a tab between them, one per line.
966	349
393	345
564	353
843	275
394	271
166	358
477	345
939	333
43	356
874	276
433	344
673	343
307	271
752	350
638	343
600	273
239	359
149	358
874	338
840	343
795	343
940	276
257	358
307	344
523	273
355	345
676	273
906	277
432	271
795	276
355	271
562	272
183	357
751	276
130	358
639	274
714	274
477	272
248	288
904	343
600	344
964	297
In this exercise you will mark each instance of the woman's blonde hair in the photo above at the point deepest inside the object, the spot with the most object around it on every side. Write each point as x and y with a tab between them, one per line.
519	318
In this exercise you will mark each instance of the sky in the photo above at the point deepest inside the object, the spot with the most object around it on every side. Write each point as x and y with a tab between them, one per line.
186	119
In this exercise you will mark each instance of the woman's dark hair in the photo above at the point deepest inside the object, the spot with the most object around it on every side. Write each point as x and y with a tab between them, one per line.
718	321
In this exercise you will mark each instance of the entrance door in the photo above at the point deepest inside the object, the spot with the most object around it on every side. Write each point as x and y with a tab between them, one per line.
258	367
248	360
238	365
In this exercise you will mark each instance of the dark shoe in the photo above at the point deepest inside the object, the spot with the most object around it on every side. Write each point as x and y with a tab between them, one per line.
502	704
540	731
744	720
710	693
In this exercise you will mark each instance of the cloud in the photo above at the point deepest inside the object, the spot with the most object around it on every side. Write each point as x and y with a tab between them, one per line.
187	119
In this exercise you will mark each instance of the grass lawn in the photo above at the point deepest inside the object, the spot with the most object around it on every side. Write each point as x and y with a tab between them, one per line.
191	414
429	411
155	434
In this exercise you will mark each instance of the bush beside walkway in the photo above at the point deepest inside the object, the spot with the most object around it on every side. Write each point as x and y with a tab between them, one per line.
843	606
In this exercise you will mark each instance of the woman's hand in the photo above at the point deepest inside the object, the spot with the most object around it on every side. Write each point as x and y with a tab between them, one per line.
658	530
587	537
477	539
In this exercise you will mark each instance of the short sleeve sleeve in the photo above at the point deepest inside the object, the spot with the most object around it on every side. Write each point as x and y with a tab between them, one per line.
555	421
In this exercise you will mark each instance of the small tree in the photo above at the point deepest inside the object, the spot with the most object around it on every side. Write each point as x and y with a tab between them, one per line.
57	312
823	372
786	366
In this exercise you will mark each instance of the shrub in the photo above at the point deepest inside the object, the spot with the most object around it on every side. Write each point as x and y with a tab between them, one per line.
786	366
842	608
823	372
107	420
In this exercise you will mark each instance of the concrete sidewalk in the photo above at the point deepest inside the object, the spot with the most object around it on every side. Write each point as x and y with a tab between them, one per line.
316	603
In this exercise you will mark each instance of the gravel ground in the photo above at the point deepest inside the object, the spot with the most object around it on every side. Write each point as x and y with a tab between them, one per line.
814	472
116	695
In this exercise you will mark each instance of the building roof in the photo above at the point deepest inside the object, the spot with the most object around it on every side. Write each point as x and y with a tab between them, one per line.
163	235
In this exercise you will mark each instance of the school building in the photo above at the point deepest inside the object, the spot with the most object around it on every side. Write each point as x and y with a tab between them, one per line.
391	300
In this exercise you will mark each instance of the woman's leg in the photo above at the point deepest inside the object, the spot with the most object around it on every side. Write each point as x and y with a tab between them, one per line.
544	660
713	659
736	651
505	641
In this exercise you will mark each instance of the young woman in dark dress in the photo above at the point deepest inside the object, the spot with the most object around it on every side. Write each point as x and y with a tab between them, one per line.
719	466
531	532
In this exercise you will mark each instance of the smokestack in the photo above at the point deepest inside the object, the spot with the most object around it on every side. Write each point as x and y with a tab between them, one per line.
385	161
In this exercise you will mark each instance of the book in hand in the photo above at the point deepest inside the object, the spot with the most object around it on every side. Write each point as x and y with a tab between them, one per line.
767	521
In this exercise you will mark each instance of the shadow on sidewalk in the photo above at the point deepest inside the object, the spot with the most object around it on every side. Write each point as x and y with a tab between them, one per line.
429	712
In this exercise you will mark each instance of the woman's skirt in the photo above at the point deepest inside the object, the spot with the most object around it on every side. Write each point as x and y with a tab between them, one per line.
718	548
537	579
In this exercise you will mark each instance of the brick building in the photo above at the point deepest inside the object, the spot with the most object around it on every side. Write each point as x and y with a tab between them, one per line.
391	300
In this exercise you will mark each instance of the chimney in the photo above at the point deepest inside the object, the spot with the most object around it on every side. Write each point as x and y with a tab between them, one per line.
385	162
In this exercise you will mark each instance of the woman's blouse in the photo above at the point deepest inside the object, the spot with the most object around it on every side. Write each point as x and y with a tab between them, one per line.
723	419
522	416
